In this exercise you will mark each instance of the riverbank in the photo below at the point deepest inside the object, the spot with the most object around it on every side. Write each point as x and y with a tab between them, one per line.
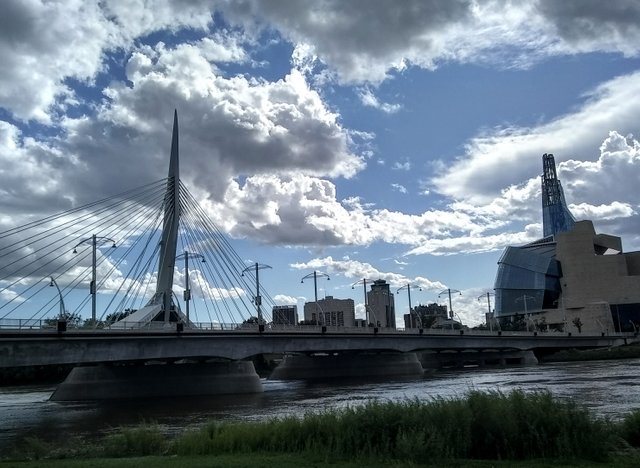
631	351
535	428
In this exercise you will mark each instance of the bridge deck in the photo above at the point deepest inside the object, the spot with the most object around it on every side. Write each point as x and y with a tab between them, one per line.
46	347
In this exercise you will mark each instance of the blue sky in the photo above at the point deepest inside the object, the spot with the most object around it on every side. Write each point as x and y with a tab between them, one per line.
395	140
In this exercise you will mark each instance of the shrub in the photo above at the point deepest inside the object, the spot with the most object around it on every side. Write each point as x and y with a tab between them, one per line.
137	441
630	428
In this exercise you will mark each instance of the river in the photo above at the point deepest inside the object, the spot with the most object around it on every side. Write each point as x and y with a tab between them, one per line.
609	388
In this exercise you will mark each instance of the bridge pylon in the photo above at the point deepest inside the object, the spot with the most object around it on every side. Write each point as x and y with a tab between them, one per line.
161	307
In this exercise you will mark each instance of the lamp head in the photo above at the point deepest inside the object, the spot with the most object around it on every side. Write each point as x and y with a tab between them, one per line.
75	251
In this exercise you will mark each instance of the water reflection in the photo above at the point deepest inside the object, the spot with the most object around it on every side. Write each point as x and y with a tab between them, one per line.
607	387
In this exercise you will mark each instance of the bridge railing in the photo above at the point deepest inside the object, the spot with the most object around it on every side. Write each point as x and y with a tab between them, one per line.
26	324
51	324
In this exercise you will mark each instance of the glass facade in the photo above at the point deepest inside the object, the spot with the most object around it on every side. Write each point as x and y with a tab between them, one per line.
528	279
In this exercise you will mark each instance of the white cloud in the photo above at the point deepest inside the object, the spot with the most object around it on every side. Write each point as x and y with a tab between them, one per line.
357	270
401	166
43	44
370	100
507	156
602	212
400	188
284	299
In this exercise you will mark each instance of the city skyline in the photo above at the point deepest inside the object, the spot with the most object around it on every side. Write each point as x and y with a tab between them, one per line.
365	140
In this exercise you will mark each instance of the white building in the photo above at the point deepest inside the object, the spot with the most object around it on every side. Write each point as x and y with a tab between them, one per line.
332	312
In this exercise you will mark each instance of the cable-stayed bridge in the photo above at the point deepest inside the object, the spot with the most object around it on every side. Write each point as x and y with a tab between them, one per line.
150	256
109	286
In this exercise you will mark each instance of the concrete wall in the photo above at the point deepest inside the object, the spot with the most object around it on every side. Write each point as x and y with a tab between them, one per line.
595	318
589	278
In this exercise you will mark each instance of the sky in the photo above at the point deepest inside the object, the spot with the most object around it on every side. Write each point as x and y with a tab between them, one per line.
363	139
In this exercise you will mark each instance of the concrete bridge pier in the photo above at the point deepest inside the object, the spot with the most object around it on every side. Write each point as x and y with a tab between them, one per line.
110	382
347	365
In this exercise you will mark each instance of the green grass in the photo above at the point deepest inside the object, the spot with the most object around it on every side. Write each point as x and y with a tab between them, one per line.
531	428
261	460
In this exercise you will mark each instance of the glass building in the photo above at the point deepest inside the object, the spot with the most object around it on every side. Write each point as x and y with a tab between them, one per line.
528	279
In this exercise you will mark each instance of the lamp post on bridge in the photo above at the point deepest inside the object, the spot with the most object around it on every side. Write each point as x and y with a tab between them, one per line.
449	291
258	300
94	241
489	315
364	287
187	290
524	298
62	313
408	286
315	275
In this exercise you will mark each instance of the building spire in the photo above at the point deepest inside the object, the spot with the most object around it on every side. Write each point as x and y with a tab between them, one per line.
556	216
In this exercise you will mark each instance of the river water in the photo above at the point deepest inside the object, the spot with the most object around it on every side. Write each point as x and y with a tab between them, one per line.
609	388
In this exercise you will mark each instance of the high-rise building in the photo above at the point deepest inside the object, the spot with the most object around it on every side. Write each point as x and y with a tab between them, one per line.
285	314
332	312
381	305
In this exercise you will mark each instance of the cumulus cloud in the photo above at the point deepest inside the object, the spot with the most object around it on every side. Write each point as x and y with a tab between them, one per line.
358	270
284	299
591	25
44	44
346	36
507	156
229	127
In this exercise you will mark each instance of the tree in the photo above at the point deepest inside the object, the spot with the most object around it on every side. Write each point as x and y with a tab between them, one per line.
116	316
73	320
515	323
540	325
578	324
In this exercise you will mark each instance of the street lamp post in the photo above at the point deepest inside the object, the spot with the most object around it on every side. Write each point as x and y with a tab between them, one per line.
449	291
61	314
408	286
94	241
364	287
187	290
524	298
489	315
258	300
315	275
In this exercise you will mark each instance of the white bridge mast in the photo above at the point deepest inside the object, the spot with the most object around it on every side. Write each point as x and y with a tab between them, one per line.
168	244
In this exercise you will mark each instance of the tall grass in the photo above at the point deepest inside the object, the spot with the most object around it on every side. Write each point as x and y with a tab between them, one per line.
136	441
492	425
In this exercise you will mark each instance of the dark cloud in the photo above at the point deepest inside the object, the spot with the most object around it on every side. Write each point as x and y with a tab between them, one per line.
585	22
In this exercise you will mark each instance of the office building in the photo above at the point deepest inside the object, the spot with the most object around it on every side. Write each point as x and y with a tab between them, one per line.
284	315
331	312
381	305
